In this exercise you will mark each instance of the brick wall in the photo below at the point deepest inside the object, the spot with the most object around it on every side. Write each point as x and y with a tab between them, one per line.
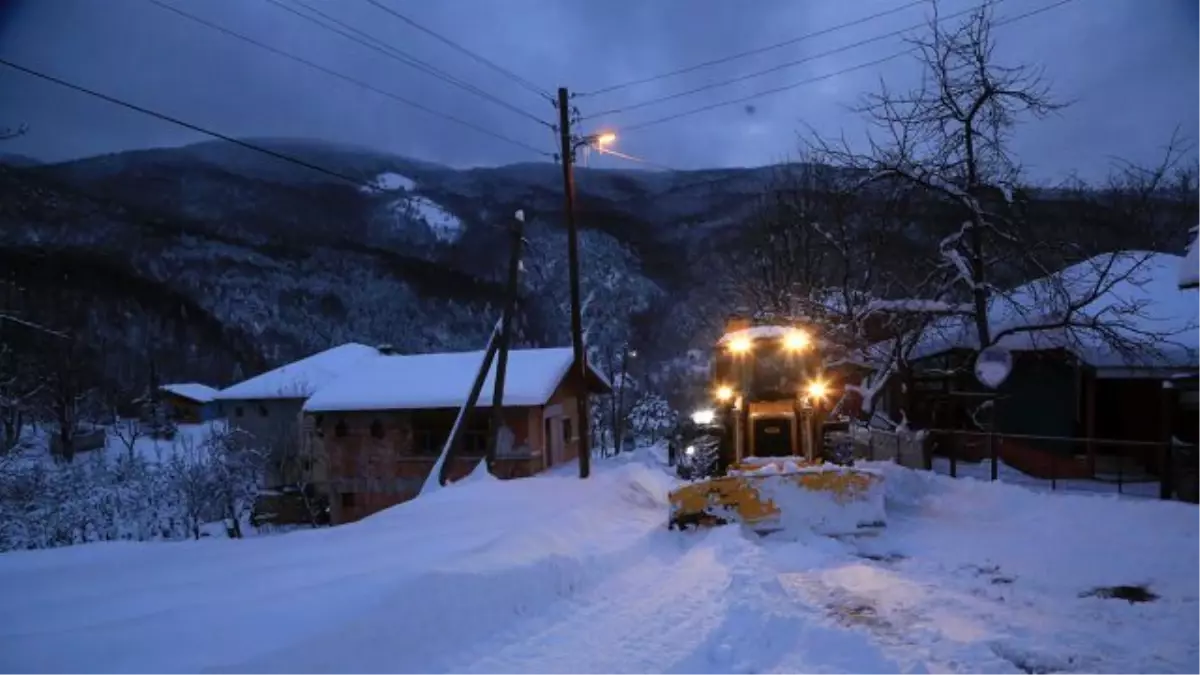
374	463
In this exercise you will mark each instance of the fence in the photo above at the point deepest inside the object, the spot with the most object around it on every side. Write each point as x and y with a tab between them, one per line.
905	448
1143	468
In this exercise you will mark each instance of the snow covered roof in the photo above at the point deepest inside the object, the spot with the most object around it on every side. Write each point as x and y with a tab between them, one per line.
1144	305
425	381
1189	268
756	333
300	379
194	391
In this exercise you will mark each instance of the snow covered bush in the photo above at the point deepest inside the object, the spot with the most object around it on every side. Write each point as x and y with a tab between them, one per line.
127	496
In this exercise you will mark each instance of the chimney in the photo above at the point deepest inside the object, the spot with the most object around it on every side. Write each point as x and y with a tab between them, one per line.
386	349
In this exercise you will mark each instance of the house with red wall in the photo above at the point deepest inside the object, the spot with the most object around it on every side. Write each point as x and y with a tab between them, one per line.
379	426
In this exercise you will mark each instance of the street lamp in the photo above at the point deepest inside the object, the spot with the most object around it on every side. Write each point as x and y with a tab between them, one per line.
599	140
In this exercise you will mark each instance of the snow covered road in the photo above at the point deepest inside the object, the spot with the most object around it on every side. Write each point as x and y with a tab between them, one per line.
557	575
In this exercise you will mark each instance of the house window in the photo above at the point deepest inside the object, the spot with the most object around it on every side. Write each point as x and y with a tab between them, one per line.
341	430
238	412
477	435
319	426
262	411
431	429
567	431
377	429
348	501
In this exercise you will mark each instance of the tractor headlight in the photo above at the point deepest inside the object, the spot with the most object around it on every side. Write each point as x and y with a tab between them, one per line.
816	389
704	417
796	341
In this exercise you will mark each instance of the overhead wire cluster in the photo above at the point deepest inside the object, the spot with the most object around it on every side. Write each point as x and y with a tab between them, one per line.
899	33
332	24
327	22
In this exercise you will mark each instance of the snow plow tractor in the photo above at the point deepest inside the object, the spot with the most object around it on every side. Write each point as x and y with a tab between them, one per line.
762	453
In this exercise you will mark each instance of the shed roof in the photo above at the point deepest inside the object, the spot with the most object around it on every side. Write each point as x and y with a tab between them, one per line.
193	391
300	379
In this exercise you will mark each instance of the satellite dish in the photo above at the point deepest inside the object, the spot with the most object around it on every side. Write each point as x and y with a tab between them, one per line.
992	366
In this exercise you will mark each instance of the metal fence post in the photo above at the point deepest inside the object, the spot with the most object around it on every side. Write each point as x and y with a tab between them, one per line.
992	452
1120	473
953	459
1054	471
1166	487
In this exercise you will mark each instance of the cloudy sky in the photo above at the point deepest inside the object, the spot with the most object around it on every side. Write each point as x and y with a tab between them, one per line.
1129	67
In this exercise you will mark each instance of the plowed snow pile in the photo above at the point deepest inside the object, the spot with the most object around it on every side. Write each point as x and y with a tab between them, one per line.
554	574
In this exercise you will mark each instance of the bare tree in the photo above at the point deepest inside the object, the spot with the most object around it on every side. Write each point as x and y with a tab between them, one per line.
69	394
127	430
947	142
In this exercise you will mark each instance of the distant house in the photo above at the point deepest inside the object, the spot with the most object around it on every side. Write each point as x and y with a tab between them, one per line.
190	402
382	424
1068	385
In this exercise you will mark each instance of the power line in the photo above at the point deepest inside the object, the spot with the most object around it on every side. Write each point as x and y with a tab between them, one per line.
348	78
826	76
371	42
456	46
178	122
632	158
752	52
784	66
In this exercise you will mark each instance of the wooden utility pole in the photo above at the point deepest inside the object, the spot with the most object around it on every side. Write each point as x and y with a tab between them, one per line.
567	153
506	321
439	475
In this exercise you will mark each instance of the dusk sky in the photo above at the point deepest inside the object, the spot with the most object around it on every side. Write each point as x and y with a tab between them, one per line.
1129	67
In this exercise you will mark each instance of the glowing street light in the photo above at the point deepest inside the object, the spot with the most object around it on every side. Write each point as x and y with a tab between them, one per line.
724	393
605	138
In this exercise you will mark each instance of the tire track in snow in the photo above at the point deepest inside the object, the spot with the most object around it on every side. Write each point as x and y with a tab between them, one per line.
641	619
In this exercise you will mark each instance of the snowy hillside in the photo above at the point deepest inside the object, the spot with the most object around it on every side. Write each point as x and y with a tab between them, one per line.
552	574
275	264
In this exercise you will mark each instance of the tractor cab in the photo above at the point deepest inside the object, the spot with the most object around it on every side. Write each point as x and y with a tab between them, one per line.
769	396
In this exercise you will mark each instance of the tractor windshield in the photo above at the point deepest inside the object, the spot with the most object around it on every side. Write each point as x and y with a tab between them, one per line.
768	371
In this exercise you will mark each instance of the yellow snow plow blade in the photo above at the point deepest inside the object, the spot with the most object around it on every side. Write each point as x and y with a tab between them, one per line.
780	494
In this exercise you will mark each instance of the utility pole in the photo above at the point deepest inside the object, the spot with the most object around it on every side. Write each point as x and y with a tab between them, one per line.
506	322
567	155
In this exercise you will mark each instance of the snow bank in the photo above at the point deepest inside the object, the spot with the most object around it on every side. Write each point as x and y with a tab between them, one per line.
409	589
822	511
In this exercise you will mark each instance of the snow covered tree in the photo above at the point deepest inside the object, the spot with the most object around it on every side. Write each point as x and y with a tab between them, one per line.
237	463
190	473
651	418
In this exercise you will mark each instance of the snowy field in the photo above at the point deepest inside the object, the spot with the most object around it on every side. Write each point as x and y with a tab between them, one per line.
553	574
